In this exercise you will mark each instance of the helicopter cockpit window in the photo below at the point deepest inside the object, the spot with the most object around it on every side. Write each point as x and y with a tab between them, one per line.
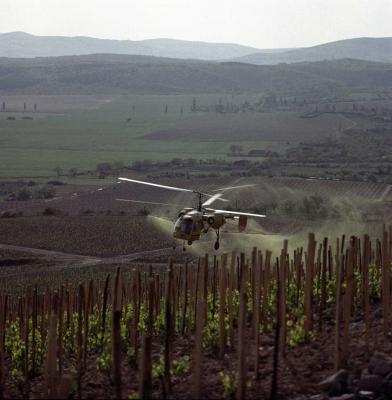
186	226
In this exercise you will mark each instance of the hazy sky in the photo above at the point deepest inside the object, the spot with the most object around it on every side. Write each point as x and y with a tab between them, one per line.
261	23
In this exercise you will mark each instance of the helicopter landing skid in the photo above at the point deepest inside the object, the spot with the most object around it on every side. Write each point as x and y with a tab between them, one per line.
216	245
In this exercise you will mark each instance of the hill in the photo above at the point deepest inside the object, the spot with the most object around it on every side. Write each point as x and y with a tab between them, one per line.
370	49
119	74
24	45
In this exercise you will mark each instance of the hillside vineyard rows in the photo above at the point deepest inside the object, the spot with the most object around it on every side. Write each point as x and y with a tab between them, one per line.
244	325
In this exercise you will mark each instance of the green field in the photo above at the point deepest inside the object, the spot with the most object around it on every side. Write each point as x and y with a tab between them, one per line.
128	128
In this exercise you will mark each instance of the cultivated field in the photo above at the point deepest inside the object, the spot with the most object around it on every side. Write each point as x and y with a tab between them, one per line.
279	127
87	130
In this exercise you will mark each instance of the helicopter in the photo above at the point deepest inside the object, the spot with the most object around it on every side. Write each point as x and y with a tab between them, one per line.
193	222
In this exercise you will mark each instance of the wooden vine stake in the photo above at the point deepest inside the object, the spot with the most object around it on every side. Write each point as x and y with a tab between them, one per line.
230	298
3	308
241	372
266	288
323	299
338	290
258	273
51	360
185	303
27	306
146	361
116	337
197	352
348	302
386	276
80	339
168	328
222	305
104	306
34	313
309	285
274	381
282	282
365	287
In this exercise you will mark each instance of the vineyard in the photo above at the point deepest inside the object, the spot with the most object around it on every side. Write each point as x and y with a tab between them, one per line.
257	325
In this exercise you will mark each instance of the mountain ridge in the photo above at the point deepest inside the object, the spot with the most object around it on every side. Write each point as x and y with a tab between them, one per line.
363	48
25	45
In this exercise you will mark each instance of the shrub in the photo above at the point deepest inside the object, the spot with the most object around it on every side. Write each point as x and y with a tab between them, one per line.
143	212
46	192
51	211
23	195
55	183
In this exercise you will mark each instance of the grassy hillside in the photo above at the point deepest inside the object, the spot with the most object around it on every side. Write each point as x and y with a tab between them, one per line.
118	74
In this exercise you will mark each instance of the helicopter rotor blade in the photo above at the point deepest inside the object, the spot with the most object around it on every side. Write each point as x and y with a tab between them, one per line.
149	202
168	187
236	213
212	199
233	187
156	185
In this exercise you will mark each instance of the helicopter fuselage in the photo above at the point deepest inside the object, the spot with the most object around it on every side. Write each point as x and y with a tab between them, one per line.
192	223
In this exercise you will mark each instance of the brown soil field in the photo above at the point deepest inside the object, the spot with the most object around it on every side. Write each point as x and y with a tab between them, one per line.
268	126
98	235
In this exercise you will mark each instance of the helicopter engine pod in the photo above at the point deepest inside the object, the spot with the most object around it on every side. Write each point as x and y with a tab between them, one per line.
242	222
215	221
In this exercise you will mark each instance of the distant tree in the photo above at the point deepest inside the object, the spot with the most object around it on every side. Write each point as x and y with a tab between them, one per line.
50	211
73	172
45	192
3	108
103	169
58	171
236	148
35	107
233	148
141	165
143	212
289	207
194	105
118	165
166	108
24	106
